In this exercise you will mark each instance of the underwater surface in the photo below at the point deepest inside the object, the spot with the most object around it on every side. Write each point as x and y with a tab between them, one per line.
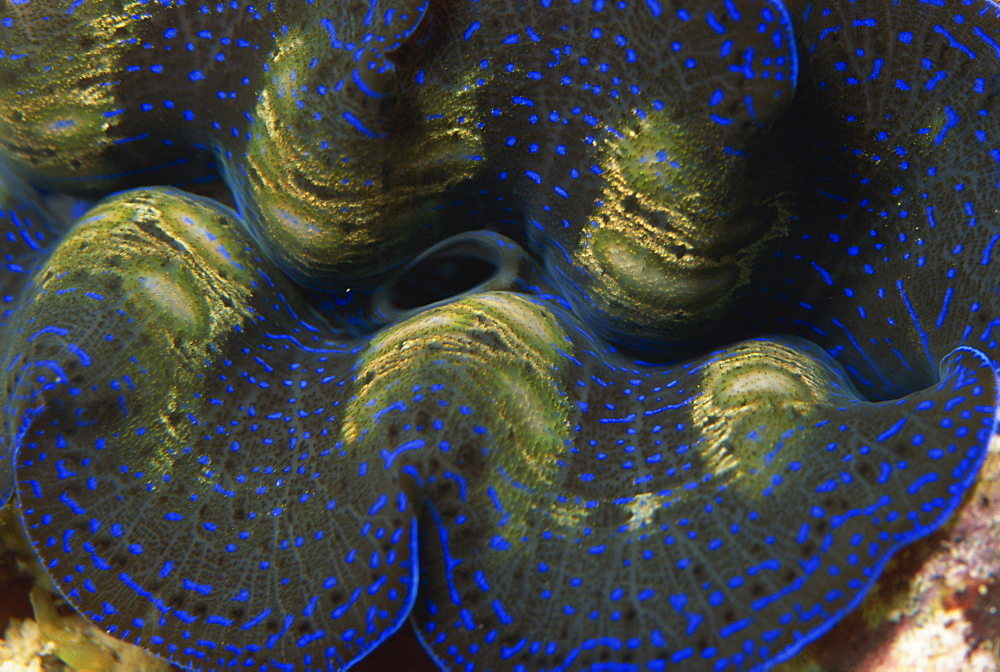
595	334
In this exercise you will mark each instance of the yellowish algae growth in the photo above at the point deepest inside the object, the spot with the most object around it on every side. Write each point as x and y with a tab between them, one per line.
750	397
494	351
349	206
71	108
151	264
675	235
661	258
149	255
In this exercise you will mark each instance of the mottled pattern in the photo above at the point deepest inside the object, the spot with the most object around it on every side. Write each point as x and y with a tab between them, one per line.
346	132
893	262
218	459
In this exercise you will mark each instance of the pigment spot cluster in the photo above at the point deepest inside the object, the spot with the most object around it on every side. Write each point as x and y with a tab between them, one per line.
579	334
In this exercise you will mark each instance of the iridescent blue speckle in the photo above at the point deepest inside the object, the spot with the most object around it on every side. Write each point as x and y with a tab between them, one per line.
605	335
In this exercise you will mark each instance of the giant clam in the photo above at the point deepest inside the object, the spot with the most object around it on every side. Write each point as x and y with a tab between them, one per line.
618	335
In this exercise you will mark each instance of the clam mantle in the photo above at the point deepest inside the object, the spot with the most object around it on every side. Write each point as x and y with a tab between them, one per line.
626	335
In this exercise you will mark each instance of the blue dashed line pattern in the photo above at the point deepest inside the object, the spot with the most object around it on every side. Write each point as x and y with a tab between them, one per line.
247	522
901	178
212	463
